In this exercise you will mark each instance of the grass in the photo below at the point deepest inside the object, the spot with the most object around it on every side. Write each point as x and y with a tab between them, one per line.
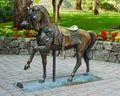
85	20
7	24
89	21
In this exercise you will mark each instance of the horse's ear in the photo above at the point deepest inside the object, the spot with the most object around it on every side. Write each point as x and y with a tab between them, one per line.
28	8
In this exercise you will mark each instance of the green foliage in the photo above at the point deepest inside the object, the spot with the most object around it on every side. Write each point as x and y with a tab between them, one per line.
67	4
6	24
13	32
6	9
36	1
117	39
6	3
107	6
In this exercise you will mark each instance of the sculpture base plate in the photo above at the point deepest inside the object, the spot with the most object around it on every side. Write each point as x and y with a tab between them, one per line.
34	85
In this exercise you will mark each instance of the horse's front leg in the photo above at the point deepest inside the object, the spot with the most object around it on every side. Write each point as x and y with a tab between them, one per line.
27	66
44	62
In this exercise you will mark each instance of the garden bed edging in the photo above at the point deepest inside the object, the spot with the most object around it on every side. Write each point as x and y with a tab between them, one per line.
102	50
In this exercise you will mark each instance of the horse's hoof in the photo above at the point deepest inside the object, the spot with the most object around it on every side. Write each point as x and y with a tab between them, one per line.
41	81
86	74
27	66
69	80
20	85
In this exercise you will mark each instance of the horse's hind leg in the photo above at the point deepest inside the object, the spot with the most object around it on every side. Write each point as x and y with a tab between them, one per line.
87	64
27	66
78	63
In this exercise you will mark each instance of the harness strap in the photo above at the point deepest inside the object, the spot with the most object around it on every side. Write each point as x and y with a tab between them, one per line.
63	42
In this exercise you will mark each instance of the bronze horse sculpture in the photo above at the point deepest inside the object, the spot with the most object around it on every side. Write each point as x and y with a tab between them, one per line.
53	37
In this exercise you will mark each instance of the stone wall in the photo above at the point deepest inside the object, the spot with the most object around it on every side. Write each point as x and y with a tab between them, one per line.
18	46
102	50
106	51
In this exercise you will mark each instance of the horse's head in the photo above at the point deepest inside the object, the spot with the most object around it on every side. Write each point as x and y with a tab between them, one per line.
34	18
38	17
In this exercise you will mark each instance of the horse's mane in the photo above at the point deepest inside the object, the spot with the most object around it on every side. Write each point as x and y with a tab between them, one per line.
45	18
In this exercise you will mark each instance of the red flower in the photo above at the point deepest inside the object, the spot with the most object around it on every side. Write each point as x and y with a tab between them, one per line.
109	33
23	36
97	35
103	34
27	31
30	35
15	29
115	34
113	39
15	35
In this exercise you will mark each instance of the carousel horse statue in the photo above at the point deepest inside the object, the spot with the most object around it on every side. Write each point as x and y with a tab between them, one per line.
55	38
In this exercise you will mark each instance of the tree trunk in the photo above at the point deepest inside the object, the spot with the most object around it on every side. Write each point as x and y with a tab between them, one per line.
96	6
53	3
78	5
59	5
20	12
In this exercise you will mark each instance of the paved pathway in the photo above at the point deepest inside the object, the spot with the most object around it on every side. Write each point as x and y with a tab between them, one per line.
11	72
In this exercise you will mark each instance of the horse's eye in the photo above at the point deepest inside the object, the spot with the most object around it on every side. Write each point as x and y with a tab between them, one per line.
34	16
47	32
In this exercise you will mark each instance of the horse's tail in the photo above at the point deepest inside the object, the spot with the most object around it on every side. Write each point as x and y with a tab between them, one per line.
92	42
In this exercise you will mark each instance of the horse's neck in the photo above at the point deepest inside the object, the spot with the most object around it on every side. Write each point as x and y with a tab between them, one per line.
45	23
45	20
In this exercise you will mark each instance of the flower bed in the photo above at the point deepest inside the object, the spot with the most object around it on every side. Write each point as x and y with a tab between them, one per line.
111	36
13	32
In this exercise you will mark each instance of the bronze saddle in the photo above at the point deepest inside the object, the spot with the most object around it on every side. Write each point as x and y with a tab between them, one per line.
61	32
68	31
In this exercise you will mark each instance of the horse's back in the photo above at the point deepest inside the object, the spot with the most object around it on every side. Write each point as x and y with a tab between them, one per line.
84	35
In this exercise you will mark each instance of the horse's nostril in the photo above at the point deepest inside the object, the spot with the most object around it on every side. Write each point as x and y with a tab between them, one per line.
34	17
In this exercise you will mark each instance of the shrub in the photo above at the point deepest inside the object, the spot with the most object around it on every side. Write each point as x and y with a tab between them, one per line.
107	6
67	4
6	10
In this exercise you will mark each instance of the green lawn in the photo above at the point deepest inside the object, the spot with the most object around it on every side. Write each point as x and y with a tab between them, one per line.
7	24
85	20
89	21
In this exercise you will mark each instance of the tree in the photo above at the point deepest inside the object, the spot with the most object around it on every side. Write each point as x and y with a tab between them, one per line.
20	12
95	6
87	4
58	7
6	10
78	5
